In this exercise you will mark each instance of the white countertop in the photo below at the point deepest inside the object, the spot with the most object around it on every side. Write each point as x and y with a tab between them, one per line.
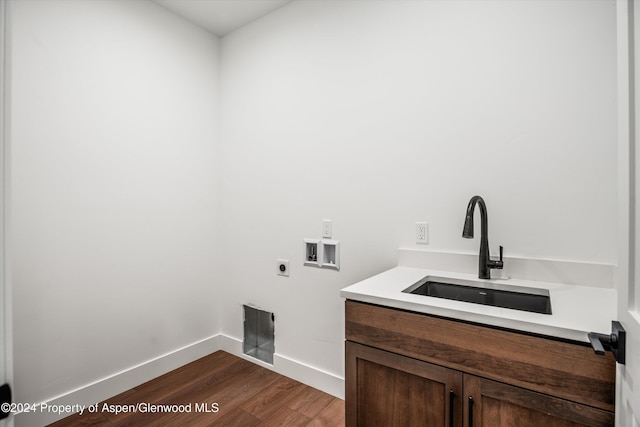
577	310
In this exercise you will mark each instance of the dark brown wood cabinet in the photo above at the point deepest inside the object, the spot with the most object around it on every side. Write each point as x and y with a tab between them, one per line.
491	403
411	369
395	390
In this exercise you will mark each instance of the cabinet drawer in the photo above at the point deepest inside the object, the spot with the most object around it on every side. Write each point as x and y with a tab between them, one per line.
567	370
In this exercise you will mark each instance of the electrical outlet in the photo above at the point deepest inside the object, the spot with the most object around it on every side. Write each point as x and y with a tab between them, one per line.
327	229
422	233
282	267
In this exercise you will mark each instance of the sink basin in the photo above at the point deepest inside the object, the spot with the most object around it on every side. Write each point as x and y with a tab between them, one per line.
487	293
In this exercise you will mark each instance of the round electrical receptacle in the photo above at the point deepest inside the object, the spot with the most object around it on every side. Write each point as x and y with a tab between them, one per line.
282	267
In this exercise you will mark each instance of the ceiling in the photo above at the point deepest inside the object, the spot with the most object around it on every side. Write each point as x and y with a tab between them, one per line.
221	16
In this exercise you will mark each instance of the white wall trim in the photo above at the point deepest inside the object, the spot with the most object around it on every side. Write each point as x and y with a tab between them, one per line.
299	371
6	342
121	381
627	396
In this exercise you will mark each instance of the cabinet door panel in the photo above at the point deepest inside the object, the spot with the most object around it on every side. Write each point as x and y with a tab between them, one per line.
386	389
498	404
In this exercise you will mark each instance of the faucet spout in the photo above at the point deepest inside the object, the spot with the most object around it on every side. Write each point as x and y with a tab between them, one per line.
485	263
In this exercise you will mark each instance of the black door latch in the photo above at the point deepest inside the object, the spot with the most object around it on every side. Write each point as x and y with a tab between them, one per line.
616	342
5	397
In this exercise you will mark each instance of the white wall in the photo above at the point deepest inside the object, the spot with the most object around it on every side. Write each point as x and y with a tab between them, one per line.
114	195
378	114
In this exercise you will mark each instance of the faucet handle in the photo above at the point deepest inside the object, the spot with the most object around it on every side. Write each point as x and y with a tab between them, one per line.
498	264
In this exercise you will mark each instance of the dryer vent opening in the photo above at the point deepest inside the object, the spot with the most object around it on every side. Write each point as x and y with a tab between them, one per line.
258	334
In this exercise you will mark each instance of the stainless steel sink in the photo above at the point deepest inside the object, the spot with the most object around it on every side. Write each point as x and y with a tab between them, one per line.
487	293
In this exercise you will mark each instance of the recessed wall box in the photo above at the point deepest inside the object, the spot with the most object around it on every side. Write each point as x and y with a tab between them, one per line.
330	254
312	252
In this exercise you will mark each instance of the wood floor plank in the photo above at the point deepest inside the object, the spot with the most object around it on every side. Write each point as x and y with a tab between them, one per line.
228	394
212	369
284	416
245	394
237	418
217	365
310	402
84	420
243	388
331	416
264	404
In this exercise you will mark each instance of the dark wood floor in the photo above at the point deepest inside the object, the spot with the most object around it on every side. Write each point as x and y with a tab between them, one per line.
243	394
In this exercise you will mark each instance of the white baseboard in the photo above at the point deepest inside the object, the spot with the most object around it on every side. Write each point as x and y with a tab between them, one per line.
299	371
120	382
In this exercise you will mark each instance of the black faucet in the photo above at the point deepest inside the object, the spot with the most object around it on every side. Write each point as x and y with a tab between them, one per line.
485	263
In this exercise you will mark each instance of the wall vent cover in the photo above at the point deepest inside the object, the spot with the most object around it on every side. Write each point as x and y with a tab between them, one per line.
259	334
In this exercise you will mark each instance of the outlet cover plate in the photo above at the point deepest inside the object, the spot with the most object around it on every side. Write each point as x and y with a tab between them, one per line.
422	233
327	229
282	267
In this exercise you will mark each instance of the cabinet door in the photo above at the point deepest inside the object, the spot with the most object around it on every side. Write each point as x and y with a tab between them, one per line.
490	403
386	389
